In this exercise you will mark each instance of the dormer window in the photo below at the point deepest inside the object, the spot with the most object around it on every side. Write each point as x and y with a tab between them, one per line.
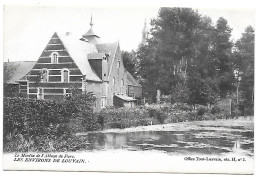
118	64
54	57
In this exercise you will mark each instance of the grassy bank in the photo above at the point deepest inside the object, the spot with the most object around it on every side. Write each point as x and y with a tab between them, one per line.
156	114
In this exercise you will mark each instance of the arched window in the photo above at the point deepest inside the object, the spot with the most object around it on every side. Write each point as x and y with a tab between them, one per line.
44	75
118	64
54	57
65	75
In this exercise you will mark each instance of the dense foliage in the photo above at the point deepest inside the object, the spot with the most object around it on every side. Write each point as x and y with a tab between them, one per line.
29	123
124	117
130	62
195	61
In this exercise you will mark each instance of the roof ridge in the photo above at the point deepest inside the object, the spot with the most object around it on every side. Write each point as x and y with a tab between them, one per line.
110	69
136	83
81	63
107	43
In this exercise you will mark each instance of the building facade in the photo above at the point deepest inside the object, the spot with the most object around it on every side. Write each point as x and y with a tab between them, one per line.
85	64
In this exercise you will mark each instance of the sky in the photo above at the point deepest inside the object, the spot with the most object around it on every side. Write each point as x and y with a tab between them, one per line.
27	29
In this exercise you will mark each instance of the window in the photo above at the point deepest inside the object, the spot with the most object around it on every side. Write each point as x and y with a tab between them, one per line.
65	75
103	102
122	86
84	88
40	95
122	83
44	75
54	57
118	64
114	81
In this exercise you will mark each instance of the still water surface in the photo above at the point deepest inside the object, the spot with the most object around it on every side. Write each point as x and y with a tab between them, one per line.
200	138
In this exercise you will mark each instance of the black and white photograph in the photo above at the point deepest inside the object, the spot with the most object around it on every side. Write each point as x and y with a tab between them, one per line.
128	89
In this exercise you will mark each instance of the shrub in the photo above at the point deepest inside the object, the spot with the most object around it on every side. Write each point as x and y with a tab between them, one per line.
236	112
201	111
101	121
185	107
152	112
161	116
179	107
249	111
124	117
26	120
215	110
166	99
248	108
183	117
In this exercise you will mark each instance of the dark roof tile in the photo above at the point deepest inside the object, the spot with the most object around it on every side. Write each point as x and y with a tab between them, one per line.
19	70
131	80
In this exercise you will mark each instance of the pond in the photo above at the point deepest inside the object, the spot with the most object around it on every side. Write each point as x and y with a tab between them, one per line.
208	138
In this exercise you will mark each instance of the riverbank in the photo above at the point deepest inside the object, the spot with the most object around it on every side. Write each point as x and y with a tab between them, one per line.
247	122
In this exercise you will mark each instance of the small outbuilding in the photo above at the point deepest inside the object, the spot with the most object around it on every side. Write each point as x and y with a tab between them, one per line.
124	101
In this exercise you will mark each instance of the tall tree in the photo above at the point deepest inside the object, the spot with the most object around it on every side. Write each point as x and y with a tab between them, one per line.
180	37
244	64
130	62
175	33
222	54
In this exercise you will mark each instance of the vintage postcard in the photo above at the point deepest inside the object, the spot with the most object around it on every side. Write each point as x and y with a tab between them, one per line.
128	89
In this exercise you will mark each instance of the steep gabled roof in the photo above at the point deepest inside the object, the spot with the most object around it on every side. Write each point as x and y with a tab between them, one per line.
109	48
17	70
130	80
78	51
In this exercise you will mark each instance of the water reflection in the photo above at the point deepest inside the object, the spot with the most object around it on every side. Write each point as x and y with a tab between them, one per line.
202	141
